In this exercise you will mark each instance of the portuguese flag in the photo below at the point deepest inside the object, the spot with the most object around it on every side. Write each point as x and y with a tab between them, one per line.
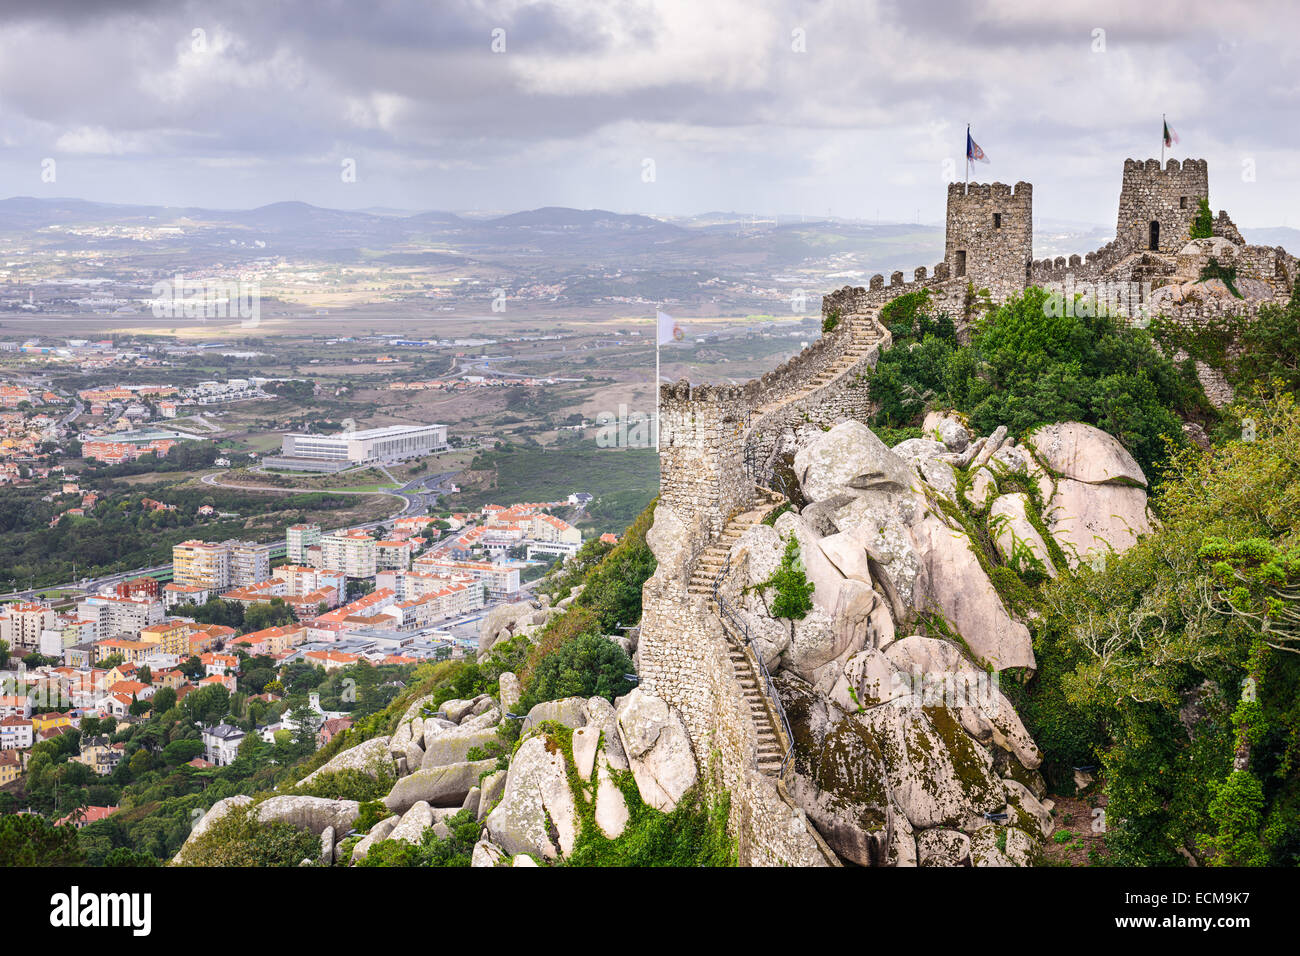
1170	136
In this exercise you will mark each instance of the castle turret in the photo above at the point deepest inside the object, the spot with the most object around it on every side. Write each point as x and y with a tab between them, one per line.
990	235
1157	206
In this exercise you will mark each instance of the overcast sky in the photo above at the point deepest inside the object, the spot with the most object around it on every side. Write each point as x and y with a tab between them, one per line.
852	107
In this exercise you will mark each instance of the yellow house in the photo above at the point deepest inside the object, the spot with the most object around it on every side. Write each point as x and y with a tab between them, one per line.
120	672
168	637
43	722
10	767
172	679
128	650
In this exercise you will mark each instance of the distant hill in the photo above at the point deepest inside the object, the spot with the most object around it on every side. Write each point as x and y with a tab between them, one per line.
567	240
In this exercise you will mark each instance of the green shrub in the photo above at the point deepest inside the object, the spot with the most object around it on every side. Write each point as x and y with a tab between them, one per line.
347	784
793	598
1203	223
588	665
371	812
240	839
455	850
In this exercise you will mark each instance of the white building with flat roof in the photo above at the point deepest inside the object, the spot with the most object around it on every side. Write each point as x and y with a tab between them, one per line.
373	444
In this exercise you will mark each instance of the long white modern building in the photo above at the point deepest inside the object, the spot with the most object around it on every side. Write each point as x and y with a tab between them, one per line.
374	444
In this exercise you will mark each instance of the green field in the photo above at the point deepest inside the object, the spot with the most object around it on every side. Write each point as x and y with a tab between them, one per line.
623	480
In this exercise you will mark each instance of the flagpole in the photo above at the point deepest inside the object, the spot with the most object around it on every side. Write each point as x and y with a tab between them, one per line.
656	378
1164	125
968	157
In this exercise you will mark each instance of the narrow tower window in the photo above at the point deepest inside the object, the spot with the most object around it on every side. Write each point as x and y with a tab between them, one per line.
1155	236
997	220
961	262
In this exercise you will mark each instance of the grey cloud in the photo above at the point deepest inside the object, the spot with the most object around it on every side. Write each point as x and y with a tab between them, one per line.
881	97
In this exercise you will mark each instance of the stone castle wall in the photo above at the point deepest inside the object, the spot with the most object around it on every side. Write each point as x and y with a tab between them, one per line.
1168	196
701	460
990	235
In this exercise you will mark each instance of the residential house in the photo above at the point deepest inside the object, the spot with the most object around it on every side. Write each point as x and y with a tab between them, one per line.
221	744
15	733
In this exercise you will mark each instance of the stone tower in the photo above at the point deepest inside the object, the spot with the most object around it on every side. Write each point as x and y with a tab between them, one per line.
1157	206
990	236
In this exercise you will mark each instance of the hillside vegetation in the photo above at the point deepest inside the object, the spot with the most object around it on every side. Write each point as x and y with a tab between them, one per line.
1171	671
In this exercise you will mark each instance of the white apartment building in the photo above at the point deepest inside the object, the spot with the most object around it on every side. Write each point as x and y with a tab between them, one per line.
301	579
298	538
115	615
21	625
249	561
393	443
352	552
501	580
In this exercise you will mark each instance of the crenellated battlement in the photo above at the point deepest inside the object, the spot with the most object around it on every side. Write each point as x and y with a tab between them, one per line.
1022	191
1195	167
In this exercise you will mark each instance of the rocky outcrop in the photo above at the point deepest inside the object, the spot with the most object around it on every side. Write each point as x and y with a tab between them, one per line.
372	757
438	786
1084	453
309	813
571	712
958	588
658	748
839	779
906	751
453	746
1016	539
1089	520
848	456
537	813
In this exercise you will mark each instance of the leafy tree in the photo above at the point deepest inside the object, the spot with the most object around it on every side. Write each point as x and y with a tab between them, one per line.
613	586
589	665
191	667
164	699
182	751
1175	668
306	725
1034	361
27	839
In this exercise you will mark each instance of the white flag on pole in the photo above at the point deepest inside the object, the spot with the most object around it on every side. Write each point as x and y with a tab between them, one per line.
669	330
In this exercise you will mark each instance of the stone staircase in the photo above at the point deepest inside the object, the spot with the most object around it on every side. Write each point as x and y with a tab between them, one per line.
709	568
771	751
864	333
